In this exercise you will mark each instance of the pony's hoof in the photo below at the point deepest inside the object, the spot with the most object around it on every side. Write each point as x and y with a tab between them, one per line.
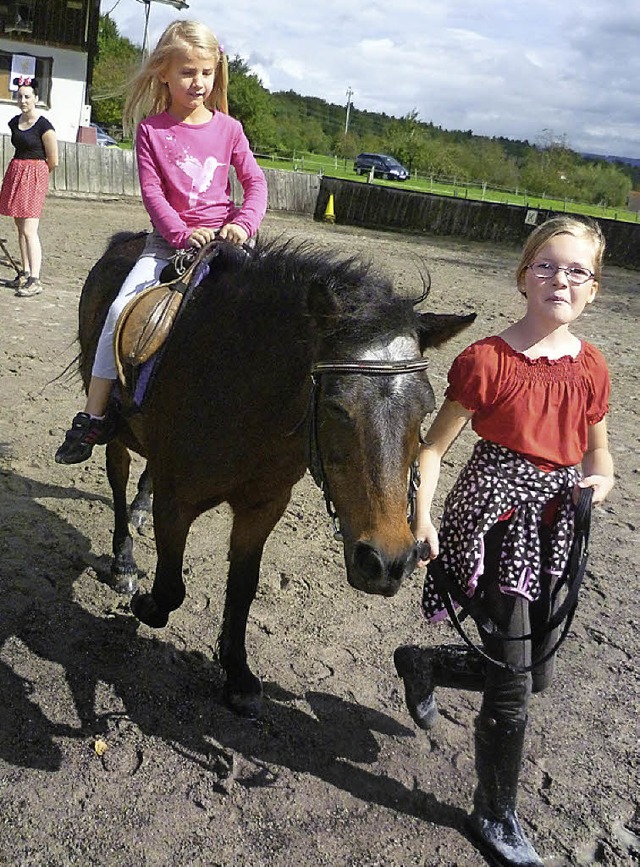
125	583
138	517
247	704
145	609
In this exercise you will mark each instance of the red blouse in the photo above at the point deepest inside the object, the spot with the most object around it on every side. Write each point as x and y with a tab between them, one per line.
541	408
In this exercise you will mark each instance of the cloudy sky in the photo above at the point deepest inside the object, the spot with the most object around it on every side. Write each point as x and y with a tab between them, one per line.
512	68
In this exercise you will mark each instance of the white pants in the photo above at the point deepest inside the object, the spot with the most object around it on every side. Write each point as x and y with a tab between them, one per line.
146	272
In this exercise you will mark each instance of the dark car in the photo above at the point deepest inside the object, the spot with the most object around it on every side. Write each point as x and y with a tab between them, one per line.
103	138
383	166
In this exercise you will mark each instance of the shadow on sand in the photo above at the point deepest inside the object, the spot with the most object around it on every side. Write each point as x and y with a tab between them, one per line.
163	691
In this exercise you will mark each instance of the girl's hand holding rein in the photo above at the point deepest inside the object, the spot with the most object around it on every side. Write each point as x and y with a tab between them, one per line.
201	236
427	535
234	233
601	486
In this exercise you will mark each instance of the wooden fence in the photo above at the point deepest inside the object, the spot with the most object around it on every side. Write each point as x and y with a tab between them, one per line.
90	170
86	169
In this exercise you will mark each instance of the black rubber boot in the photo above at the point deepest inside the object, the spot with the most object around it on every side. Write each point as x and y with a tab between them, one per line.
424	668
494	823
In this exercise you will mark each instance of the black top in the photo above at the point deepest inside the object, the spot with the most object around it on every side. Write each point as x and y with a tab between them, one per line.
28	142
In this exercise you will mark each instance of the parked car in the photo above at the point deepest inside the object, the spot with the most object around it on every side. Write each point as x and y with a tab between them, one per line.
103	138
383	166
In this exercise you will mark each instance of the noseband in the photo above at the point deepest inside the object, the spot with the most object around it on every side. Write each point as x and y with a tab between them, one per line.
343	368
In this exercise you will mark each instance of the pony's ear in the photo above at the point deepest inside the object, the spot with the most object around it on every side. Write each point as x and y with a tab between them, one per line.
436	328
322	304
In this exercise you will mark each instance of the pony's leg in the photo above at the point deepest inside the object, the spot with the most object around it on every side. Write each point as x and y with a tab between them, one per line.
251	528
124	570
172	519
141	505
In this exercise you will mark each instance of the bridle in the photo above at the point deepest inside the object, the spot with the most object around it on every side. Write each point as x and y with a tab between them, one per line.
315	462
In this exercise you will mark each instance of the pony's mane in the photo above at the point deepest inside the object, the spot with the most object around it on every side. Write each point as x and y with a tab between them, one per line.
355	303
365	306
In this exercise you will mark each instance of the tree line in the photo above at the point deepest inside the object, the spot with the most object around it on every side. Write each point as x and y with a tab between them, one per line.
286	122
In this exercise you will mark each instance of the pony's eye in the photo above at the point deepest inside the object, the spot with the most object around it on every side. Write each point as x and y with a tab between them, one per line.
338	413
337	426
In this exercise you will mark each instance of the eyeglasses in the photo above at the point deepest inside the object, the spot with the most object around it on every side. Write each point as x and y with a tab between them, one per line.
575	274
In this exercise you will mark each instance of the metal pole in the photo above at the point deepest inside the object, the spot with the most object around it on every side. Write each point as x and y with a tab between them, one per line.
145	38
177	4
346	123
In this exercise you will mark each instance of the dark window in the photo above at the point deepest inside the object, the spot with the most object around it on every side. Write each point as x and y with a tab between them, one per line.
44	66
18	17
59	22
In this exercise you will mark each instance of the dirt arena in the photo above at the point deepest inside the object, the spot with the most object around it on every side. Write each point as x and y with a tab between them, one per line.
334	773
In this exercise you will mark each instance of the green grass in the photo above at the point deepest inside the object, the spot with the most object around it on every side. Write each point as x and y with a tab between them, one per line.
340	168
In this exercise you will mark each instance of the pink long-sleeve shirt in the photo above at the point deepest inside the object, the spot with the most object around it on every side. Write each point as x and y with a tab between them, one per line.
184	176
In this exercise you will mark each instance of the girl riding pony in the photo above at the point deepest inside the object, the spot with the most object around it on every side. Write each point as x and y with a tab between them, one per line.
184	149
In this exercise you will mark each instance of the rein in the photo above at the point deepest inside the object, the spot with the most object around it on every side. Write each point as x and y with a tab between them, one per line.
571	580
315	462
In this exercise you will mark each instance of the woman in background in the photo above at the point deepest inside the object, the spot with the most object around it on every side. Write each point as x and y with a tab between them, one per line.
26	182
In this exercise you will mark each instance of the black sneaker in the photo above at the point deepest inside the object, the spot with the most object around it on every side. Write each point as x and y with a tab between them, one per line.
86	432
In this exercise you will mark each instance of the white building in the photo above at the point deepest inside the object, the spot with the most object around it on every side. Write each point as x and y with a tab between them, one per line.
55	40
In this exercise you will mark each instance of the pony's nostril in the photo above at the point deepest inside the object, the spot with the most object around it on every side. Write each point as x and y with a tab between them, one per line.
368	561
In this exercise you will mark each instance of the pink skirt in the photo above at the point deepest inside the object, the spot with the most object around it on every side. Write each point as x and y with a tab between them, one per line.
24	188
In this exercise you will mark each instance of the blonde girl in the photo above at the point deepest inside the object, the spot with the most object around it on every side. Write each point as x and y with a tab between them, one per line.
185	143
537	396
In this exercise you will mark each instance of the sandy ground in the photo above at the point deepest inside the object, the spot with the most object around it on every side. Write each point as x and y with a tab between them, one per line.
335	772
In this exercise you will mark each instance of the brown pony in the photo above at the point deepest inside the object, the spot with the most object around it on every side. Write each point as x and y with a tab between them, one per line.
282	360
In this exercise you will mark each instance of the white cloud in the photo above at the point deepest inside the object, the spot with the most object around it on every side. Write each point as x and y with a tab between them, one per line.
498	67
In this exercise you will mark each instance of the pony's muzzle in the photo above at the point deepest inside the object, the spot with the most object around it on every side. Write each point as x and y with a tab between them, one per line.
372	572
